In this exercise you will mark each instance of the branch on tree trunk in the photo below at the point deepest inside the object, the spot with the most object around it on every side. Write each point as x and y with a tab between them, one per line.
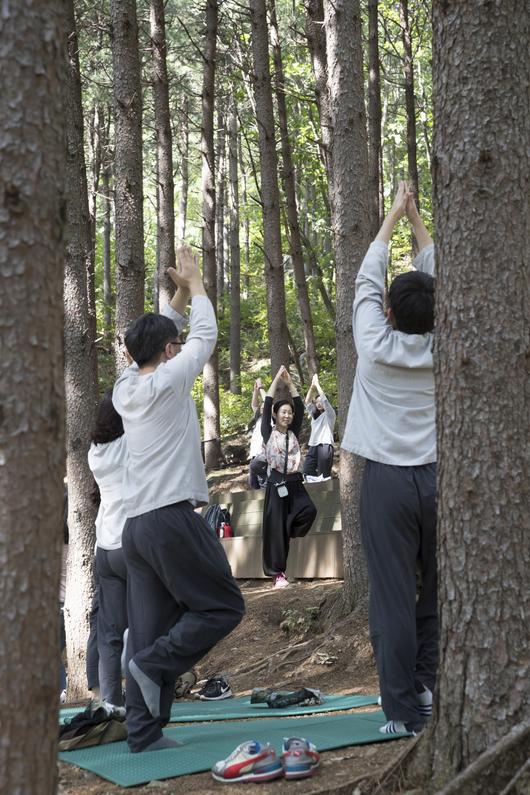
473	779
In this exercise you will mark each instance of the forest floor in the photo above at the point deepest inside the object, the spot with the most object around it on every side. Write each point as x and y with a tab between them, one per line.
288	639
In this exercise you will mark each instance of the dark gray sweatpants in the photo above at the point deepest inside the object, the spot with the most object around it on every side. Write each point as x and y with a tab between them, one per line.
398	528
112	621
181	600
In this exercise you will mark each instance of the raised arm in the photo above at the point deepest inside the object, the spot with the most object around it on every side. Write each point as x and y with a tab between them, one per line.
397	211
423	238
255	404
188	364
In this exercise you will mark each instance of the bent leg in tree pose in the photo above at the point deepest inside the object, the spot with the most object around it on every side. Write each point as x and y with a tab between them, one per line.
181	595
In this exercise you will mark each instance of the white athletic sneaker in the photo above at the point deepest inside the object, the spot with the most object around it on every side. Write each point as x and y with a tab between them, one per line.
281	581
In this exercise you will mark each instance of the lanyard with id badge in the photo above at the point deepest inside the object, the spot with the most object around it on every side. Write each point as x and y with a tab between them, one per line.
281	487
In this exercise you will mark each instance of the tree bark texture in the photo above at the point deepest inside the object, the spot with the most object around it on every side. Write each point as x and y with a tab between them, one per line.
212	421
220	208
235	256
349	210
80	377
270	193
127	170
165	230
184	170
32	209
375	152
289	188
482	370
107	231
410	101
316	39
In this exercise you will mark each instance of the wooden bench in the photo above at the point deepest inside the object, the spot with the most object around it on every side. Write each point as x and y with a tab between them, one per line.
318	555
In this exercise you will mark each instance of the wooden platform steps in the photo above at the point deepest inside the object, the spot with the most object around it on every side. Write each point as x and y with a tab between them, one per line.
318	555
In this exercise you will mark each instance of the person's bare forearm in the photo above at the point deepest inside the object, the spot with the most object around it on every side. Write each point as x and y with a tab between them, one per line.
397	211
421	234
180	300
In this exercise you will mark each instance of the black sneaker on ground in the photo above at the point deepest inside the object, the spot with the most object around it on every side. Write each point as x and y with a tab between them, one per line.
216	689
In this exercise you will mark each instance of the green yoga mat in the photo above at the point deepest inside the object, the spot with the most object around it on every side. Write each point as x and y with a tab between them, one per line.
239	708
205	744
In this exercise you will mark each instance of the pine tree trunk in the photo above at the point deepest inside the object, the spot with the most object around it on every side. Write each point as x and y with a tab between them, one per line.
235	257
32	204
107	278
212	422
316	39
410	101
127	170
80	376
220	209
375	153
288	179
482	372
184	171
349	210
270	194
165	230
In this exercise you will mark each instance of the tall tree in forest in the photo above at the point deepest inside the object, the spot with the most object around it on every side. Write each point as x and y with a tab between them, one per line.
32	179
212	421
106	174
349	199
269	193
482	371
220	206
375	152
184	147
235	256
316	39
80	375
410	100
288	179
128	168
165	229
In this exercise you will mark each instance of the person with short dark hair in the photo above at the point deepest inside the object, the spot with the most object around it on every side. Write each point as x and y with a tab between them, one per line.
319	456
391	423
288	511
181	596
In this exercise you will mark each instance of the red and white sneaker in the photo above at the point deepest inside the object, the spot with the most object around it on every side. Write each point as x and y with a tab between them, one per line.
281	581
250	761
300	758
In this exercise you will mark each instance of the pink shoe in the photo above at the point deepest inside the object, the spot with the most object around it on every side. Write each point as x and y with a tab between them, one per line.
281	581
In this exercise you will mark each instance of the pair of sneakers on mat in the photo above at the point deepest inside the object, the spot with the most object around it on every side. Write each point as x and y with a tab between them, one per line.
257	761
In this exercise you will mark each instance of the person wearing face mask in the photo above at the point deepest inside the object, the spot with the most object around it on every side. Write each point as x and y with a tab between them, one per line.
288	511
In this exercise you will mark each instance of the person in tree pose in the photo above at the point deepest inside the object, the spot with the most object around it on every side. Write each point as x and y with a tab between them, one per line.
391	423
288	511
181	595
319	456
107	459
257	471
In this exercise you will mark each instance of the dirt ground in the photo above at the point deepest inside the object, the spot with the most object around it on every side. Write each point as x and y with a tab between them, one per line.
288	638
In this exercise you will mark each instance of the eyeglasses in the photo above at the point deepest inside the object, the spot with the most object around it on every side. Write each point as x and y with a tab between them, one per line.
176	342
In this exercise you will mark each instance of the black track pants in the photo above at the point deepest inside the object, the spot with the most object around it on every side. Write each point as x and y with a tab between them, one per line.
398	527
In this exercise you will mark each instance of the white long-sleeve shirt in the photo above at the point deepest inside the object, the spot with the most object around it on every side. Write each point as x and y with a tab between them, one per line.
108	463
160	420
322	427
391	418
